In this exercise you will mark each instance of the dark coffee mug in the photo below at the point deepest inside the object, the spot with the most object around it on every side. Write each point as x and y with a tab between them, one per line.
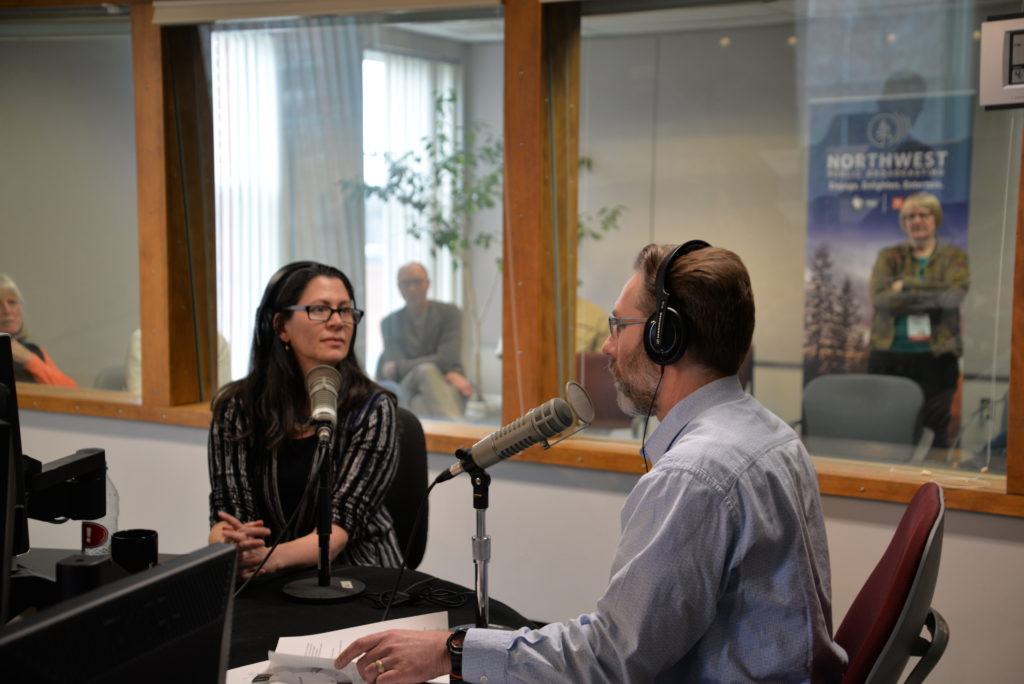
134	550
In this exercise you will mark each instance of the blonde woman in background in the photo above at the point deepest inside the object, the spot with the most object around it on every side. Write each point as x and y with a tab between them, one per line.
917	288
31	362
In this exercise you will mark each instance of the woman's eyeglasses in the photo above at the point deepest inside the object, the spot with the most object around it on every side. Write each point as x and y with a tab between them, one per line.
322	313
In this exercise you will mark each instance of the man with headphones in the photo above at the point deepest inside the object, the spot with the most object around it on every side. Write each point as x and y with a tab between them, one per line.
721	572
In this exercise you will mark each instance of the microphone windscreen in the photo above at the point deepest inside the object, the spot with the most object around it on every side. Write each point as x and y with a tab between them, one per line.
580	402
324	385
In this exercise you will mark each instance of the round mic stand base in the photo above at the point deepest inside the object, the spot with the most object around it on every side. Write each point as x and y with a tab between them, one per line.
309	589
324	587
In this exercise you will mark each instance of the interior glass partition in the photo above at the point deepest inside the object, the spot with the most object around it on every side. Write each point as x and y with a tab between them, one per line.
68	188
369	143
797	134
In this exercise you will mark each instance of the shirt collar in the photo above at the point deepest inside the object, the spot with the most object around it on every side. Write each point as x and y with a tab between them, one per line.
679	416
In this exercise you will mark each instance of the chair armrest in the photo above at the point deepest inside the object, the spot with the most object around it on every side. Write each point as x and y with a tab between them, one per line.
929	651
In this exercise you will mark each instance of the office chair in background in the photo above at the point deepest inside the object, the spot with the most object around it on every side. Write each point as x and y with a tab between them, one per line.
861	406
111	378
596	378
409	488
882	629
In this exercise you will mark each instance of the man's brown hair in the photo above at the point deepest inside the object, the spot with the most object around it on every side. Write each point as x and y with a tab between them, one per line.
712	288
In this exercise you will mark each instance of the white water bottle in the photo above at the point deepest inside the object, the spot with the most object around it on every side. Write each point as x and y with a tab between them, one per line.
96	533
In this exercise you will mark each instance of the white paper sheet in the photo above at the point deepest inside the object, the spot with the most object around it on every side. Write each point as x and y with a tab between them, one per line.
311	657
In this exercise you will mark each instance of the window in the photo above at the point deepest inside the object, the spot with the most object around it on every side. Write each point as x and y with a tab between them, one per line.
309	114
734	152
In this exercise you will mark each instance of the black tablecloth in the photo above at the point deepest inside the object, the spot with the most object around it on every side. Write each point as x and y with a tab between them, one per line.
263	613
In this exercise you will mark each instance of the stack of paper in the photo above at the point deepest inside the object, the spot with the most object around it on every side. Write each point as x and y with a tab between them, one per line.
310	659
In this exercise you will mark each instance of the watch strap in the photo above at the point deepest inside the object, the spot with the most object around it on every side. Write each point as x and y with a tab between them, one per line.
455	641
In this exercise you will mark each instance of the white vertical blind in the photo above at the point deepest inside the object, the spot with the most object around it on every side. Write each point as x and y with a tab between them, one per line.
399	93
248	194
287	131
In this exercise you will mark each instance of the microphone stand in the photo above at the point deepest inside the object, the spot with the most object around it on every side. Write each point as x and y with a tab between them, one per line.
481	541
320	589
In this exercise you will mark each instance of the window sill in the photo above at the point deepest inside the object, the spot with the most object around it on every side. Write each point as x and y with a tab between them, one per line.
109	404
981	493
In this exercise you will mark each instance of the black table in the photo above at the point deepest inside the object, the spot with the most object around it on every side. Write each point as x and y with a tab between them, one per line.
263	613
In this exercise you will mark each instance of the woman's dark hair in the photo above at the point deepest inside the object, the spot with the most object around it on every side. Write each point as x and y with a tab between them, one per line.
274	392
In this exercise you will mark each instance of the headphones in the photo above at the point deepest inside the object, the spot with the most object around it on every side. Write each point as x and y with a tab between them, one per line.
264	331
665	333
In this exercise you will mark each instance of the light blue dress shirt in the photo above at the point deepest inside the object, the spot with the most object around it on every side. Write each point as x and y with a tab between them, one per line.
721	572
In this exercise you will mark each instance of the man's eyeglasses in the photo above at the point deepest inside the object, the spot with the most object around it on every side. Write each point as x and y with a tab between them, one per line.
616	324
321	313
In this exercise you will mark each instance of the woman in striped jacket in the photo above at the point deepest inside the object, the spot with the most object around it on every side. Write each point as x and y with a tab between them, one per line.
263	445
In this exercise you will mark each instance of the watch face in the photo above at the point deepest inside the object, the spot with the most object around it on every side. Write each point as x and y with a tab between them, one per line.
455	641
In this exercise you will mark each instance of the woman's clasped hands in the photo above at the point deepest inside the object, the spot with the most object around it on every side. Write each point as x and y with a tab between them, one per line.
248	539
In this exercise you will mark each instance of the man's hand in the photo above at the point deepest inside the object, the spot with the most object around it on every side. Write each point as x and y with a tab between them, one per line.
399	656
459	382
897	286
389	371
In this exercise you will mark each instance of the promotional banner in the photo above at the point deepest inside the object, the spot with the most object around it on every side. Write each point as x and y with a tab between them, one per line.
867	155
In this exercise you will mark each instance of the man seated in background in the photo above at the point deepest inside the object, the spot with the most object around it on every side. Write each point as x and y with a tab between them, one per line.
423	350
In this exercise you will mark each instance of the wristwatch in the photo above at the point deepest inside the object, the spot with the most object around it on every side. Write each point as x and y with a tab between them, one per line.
455	651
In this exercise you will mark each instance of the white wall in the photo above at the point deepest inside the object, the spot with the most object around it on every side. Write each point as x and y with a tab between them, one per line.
554	530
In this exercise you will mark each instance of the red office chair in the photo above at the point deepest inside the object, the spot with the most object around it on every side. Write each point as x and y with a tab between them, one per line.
882	629
593	373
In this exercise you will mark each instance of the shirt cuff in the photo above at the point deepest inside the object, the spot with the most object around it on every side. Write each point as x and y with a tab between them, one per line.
485	654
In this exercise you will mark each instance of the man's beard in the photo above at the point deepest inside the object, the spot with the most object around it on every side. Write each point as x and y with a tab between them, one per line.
636	381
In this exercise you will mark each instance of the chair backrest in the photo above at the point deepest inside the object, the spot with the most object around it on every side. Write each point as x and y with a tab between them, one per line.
597	380
885	620
880	408
110	378
409	488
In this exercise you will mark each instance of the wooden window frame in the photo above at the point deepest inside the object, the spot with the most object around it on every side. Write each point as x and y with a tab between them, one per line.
541	132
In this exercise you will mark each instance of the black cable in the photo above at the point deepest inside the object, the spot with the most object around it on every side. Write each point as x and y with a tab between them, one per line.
405	553
322	454
647	421
425	591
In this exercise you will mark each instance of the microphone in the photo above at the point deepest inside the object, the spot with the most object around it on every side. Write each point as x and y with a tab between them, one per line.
537	425
323	384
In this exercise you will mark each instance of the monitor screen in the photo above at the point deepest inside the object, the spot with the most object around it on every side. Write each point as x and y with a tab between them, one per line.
171	623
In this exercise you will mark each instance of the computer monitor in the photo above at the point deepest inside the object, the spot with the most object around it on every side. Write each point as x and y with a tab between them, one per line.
170	623
66	488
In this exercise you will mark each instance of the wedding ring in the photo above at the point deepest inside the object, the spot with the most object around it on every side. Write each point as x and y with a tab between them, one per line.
380	666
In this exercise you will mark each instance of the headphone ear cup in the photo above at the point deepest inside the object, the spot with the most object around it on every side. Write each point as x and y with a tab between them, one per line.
263	334
665	336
